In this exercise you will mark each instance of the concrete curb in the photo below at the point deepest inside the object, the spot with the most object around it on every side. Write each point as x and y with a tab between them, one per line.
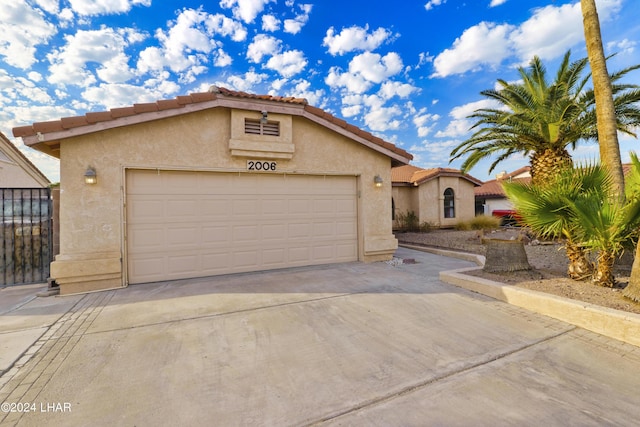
616	324
466	256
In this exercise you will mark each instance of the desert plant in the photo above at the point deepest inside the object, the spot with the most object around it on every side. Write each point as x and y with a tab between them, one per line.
408	221
484	222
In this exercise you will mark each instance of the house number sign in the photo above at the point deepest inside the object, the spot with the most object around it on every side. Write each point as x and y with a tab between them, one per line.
261	165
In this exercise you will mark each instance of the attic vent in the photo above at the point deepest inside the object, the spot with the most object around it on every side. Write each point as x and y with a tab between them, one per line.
256	127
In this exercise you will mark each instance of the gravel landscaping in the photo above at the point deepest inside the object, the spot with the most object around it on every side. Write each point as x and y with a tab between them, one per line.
548	261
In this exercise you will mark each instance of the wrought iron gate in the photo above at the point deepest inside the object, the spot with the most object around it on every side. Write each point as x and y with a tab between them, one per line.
26	236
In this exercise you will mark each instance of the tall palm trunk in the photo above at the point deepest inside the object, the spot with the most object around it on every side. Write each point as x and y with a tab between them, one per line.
605	108
606	119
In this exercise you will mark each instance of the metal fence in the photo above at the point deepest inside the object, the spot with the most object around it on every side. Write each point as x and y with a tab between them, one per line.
26	239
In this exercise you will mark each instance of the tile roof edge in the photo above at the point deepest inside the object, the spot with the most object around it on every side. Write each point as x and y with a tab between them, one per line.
66	127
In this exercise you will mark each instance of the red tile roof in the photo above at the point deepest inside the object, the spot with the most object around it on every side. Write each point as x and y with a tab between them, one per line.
493	188
413	175
46	136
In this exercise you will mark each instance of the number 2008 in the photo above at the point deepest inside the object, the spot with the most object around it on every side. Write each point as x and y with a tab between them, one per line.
254	165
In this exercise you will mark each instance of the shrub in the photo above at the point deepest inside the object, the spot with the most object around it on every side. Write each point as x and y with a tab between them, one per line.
484	222
481	222
407	221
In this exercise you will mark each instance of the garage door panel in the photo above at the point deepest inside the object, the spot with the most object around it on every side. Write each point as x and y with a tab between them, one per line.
274	232
215	235
184	236
300	255
182	208
208	223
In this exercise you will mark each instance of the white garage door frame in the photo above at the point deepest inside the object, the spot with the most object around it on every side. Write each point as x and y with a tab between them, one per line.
126	231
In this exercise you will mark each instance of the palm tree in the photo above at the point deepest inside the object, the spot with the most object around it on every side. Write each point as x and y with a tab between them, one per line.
538	119
578	207
545	209
543	120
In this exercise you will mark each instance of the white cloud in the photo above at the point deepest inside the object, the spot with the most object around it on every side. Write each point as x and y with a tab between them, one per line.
495	3
302	89
625	46
105	7
263	45
354	38
294	26
425	122
23	28
118	95
69	65
433	3
402	90
244	82
270	23
461	124
189	44
350	111
364	70
222	59
354	83
550	32
375	68
288	63
49	6
225	26
245	10
383	119
483	44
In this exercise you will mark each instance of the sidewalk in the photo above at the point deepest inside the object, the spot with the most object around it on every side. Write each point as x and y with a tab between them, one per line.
24	319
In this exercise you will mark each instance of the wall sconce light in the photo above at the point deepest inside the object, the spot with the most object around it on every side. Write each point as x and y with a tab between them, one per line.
264	119
90	176
377	180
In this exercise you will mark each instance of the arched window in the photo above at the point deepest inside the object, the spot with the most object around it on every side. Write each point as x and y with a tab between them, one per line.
449	203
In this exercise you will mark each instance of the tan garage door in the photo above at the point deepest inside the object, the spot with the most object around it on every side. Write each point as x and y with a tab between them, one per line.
196	224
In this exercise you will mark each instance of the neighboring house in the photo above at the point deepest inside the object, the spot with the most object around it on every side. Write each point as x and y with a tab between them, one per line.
490	197
214	183
492	200
26	245
16	171
442	197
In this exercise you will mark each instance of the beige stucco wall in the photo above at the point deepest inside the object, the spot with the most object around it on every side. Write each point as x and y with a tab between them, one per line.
427	200
91	217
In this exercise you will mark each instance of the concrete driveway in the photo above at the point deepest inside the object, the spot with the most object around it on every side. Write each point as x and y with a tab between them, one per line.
349	344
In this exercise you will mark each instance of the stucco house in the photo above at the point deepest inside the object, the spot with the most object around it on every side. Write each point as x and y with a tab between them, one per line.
16	171
491	198
214	183
440	196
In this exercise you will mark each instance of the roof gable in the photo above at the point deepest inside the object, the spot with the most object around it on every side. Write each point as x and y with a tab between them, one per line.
46	136
412	175
11	154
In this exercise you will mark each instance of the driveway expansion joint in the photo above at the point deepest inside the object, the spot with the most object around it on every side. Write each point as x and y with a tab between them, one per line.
445	375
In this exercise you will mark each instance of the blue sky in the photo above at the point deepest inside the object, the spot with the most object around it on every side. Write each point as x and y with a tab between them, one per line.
407	71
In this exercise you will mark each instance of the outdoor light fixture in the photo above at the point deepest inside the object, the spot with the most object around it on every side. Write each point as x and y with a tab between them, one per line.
90	176
377	180
264	119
